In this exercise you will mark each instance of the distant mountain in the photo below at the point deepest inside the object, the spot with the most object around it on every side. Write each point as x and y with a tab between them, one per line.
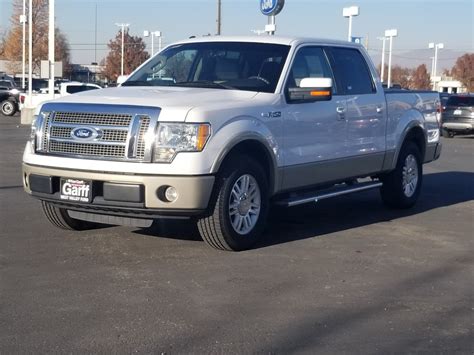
411	59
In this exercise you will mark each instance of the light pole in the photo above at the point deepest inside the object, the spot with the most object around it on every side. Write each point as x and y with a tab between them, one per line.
122	26
350	12
219	17
51	43
153	34
23	57
390	34
382	69
30	51
436	47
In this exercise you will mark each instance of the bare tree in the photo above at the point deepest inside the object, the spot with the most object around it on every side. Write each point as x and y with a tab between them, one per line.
12	45
134	55
463	71
401	76
420	79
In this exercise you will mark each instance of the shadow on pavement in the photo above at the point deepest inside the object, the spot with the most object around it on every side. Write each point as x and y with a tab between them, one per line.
338	214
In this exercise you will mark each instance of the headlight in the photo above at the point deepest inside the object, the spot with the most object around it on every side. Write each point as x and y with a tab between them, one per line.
34	130
433	135
36	133
172	138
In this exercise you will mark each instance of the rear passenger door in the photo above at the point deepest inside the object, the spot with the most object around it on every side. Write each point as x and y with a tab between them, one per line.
365	109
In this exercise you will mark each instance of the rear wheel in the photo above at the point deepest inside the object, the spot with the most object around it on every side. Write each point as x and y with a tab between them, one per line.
60	218
447	134
8	108
402	186
238	208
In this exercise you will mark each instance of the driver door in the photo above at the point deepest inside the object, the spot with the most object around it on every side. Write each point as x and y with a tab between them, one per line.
315	132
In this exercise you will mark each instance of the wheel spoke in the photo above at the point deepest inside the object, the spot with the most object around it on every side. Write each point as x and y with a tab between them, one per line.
244	204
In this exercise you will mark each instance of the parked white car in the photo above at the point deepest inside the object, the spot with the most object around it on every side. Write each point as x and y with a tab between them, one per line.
64	89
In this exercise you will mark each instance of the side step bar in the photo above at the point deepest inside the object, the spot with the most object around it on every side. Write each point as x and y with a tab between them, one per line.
328	193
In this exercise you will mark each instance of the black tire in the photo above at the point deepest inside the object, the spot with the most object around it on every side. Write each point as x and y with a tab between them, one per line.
59	218
392	190
8	108
447	134
216	228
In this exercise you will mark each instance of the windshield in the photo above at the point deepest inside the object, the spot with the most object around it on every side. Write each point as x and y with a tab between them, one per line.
220	65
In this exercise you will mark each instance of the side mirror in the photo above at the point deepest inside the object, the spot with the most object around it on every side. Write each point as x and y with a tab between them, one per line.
311	90
121	79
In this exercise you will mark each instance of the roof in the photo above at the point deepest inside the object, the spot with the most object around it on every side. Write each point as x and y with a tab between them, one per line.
289	41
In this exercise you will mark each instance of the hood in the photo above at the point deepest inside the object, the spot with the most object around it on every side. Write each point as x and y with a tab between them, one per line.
175	102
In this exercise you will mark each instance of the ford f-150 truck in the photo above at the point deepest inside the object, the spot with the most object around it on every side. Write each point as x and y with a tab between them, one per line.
217	130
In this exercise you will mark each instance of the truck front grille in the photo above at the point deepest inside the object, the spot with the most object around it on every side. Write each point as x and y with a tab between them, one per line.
87	149
97	135
97	119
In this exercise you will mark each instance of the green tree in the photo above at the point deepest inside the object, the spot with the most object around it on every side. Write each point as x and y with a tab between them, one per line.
134	55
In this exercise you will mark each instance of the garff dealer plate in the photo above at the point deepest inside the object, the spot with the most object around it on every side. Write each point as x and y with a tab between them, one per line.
76	190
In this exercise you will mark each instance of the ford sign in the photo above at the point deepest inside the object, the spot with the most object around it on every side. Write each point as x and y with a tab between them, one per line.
271	7
84	133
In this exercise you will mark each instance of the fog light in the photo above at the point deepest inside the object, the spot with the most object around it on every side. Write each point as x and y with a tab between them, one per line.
171	194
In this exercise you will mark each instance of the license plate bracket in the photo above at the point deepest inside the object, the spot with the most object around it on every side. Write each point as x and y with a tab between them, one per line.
76	190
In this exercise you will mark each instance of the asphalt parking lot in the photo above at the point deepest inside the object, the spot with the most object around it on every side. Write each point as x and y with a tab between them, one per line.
344	276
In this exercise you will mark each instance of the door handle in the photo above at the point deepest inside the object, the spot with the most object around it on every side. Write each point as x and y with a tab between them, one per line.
379	109
341	112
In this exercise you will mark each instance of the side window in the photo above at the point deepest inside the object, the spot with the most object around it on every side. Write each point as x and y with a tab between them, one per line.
351	72
310	62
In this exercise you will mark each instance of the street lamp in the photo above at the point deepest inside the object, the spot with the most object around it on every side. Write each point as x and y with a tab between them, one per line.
382	69
23	58
51	45
350	12
436	46
30	52
390	34
153	34
122	26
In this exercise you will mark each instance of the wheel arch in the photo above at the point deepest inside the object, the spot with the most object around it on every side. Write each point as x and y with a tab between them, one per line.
255	147
413	133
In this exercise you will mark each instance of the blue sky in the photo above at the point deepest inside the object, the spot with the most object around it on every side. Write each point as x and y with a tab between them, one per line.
418	22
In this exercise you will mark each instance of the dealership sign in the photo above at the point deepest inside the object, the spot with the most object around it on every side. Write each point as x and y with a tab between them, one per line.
271	7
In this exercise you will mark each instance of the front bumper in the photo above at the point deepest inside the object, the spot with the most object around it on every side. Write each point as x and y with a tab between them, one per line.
193	192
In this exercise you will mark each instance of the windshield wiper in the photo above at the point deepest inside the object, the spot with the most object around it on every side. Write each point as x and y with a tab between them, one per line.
203	83
137	83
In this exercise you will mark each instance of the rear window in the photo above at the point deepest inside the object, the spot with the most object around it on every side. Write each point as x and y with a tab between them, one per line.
460	101
6	84
352	73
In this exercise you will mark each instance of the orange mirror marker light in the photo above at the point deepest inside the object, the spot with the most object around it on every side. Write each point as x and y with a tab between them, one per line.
320	93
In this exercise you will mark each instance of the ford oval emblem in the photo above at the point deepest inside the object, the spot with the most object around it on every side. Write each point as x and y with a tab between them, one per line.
84	133
271	7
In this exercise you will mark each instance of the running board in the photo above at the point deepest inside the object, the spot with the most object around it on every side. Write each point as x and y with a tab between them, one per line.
328	193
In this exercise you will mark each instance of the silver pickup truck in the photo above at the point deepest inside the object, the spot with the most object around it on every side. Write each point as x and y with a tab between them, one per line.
217	130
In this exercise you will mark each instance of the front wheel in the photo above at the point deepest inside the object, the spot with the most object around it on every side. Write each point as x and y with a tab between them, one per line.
8	108
401	187
238	208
